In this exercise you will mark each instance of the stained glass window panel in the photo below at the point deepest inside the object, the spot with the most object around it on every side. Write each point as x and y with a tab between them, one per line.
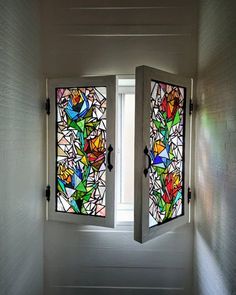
81	150
166	178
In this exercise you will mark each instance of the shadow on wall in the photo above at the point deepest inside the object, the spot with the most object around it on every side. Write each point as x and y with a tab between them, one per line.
214	234
212	274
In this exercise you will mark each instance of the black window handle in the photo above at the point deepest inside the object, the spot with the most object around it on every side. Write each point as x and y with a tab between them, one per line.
110	149
145	171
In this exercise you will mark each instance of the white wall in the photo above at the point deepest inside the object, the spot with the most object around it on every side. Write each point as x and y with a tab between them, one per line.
83	261
105	41
114	41
21	149
215	236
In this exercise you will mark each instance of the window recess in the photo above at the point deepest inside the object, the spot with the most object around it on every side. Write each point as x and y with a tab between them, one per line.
146	168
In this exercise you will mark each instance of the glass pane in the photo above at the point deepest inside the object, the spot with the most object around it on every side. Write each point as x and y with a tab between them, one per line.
125	157
127	154
81	150
166	190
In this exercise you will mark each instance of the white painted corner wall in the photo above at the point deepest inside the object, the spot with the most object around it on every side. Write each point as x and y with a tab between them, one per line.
215	235
21	149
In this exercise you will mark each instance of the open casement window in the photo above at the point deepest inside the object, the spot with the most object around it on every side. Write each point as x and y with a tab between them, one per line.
161	152
81	139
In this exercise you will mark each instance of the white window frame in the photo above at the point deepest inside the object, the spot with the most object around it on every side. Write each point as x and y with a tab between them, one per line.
144	76
102	81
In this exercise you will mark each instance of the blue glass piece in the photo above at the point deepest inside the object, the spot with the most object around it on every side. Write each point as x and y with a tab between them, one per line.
160	165
168	148
178	196
84	109
62	184
157	160
72	114
152	156
74	205
164	154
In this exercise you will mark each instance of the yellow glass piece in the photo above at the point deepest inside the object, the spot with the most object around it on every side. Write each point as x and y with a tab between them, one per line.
97	143
84	160
176	179
76	96
158	147
60	152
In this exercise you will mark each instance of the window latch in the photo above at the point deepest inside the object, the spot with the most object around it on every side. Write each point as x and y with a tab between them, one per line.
191	107
189	194
48	193
47	106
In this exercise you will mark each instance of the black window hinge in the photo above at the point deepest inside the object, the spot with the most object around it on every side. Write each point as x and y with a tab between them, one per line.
48	192
189	194
191	107
47	106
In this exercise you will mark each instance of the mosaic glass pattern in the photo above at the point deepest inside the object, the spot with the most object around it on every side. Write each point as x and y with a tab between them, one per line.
81	150
166	196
